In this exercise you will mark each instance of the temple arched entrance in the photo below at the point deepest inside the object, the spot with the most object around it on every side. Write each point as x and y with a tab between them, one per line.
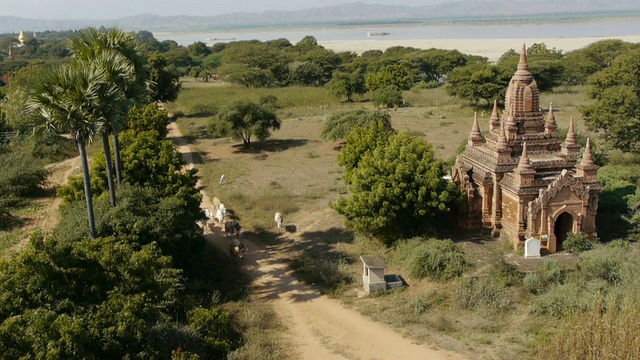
562	226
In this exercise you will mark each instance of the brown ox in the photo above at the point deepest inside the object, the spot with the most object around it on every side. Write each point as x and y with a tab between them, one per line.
237	250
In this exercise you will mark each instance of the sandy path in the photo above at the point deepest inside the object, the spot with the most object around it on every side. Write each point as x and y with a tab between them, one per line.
317	327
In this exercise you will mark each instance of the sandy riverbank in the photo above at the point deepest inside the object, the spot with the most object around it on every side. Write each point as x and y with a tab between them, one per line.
490	48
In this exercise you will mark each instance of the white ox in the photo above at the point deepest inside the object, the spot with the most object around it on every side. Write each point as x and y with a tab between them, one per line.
279	219
220	213
223	180
208	214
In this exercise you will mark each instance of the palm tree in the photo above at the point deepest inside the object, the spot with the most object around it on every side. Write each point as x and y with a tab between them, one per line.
113	105
71	99
91	42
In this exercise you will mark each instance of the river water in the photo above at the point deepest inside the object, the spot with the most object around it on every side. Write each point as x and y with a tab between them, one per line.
479	30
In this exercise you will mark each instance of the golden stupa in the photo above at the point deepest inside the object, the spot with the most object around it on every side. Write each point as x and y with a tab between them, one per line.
22	37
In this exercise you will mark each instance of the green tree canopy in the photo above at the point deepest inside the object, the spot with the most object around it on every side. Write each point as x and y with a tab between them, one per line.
345	84
389	96
244	119
146	118
545	64
165	77
395	75
87	299
198	49
616	110
475	82
397	188
17	94
582	63
339	125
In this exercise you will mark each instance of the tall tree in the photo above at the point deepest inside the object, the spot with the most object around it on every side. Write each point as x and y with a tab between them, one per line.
347	84
616	110
397	187
89	44
243	119
67	100
474	82
339	125
165	78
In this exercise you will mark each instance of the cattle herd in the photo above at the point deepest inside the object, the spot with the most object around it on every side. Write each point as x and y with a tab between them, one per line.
231	227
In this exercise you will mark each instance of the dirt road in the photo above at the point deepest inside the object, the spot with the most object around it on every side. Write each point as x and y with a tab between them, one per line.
317	327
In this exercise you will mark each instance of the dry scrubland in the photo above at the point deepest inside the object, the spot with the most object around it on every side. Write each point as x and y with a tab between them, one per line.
295	172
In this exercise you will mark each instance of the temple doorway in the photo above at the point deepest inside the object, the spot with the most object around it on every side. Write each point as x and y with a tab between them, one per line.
563	225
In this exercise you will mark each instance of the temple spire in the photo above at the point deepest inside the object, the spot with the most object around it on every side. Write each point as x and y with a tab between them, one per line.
511	126
550	126
502	138
522	64
587	159
571	135
524	166
475	136
22	37
524	163
494	121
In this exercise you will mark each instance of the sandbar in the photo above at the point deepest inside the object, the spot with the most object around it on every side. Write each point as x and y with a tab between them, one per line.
489	48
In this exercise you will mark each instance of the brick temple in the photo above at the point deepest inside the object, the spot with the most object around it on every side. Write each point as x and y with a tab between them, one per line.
521	180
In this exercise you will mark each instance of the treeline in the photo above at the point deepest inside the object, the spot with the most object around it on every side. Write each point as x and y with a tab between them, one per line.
279	63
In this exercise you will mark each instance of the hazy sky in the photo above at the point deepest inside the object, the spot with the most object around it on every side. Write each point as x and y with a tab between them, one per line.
113	9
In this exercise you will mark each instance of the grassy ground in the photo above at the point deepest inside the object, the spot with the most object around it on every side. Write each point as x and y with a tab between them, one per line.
295	172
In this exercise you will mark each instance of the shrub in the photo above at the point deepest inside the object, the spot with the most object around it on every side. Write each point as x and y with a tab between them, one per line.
559	301
389	96
538	282
577	243
327	273
482	294
433	258
604	263
506	274
534	283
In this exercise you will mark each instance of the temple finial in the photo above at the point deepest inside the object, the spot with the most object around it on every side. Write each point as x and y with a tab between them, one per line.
511	123
587	158
502	138
550	124
571	134
522	64
494	121
475	129
524	163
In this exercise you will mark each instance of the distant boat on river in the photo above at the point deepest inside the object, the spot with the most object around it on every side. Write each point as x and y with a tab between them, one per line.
369	34
219	39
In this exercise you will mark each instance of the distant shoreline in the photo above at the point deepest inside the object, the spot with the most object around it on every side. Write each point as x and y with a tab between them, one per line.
489	48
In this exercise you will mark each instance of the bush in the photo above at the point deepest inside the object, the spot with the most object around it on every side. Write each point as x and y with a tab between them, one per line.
534	283
559	301
147	118
604	263
328	274
21	175
433	258
538	282
577	243
506	274
389	96
482	294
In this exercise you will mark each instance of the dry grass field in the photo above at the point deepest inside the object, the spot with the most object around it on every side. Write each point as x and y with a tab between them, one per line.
296	173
